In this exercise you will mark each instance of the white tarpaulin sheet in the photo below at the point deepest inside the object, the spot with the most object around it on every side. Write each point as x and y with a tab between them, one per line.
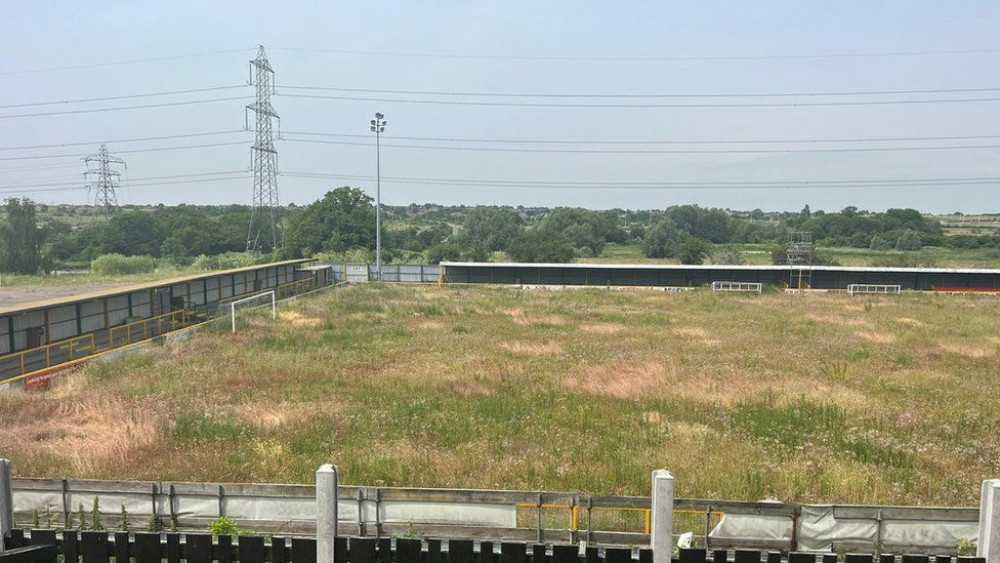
819	530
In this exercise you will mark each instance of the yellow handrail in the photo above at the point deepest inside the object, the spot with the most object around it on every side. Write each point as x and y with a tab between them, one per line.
183	315
69	344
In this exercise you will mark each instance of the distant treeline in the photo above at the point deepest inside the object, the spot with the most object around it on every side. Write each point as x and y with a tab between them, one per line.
340	226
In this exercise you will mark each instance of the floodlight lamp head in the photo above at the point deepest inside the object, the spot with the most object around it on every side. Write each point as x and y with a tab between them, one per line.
379	116
373	127
373	122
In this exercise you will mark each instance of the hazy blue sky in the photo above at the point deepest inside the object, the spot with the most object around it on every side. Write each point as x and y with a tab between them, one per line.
540	47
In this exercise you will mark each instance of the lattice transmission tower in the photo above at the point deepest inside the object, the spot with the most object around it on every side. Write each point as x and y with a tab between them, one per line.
102	180
800	254
265	230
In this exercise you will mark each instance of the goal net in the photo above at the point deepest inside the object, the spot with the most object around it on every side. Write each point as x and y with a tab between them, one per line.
255	304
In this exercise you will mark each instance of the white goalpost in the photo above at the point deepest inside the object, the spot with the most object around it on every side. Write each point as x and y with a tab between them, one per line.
266	296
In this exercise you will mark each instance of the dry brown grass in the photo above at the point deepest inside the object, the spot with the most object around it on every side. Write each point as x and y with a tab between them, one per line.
521	318
623	381
876	337
837	320
802	398
603	328
697	335
533	348
969	350
92	432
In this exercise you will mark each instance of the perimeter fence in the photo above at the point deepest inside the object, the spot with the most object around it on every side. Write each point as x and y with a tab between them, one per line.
527	516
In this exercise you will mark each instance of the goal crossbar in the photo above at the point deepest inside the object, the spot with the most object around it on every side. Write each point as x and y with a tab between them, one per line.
274	305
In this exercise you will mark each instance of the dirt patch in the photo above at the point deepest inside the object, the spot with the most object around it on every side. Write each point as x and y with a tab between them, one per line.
607	328
532	349
910	322
969	350
876	337
431	325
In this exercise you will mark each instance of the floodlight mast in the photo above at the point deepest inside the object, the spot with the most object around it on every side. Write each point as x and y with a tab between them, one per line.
377	127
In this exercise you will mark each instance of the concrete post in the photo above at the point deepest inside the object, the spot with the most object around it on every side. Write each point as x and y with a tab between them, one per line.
989	522
662	525
6	502
327	481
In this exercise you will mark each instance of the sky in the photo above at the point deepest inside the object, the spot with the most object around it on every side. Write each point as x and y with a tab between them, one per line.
514	102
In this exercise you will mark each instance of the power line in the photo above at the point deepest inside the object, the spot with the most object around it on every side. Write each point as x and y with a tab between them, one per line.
39	167
145	185
119	63
133	151
645	59
124	97
123	108
642	106
656	142
591	95
132	140
652	151
742	184
131	180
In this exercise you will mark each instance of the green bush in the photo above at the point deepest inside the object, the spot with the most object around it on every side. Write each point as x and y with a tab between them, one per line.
118	265
223	526
227	261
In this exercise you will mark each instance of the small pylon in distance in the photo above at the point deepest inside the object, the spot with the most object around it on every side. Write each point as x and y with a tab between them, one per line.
102	180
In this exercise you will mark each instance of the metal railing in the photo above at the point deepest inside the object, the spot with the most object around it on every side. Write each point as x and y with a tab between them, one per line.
84	345
875	288
744	287
152	326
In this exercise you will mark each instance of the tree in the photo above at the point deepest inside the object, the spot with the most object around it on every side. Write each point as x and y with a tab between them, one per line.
709	224
22	238
693	250
538	245
879	242
730	256
443	252
586	230
130	233
343	220
490	228
909	241
660	239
